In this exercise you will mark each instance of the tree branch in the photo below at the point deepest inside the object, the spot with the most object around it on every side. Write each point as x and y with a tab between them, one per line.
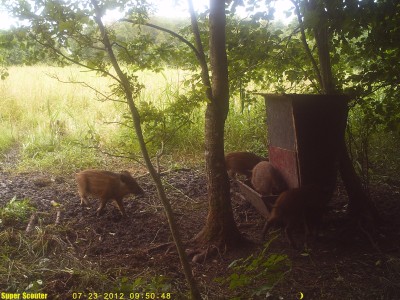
174	34
198	49
48	45
305	44
199	46
85	84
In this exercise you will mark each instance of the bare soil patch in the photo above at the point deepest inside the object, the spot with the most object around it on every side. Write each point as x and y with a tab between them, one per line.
346	262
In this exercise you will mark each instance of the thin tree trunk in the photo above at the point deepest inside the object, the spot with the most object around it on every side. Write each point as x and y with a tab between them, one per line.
359	202
124	81
321	37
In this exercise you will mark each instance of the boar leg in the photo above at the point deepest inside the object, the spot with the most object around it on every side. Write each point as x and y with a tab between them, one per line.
289	236
101	207
121	207
307	233
313	225
265	229
84	200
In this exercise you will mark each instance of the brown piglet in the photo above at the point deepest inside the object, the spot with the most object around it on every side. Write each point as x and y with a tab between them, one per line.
267	180
106	186
241	163
298	207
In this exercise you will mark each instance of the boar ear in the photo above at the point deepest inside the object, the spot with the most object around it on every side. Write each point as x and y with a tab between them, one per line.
125	177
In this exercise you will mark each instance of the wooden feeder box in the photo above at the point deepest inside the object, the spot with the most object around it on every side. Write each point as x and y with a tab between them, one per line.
304	136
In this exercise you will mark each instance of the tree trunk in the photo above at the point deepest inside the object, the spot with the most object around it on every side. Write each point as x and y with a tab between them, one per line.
321	37
360	205
220	228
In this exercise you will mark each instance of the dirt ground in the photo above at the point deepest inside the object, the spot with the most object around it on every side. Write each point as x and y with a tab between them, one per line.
346	262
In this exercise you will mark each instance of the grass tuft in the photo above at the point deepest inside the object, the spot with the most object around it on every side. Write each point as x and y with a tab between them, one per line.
15	211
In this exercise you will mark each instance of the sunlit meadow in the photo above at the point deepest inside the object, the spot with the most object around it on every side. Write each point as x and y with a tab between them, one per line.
59	121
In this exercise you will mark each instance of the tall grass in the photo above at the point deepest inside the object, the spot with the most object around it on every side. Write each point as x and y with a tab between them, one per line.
66	126
246	129
6	138
46	117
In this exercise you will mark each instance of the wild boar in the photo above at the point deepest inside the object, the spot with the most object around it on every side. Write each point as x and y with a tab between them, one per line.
298	207
267	180
106	186
241	163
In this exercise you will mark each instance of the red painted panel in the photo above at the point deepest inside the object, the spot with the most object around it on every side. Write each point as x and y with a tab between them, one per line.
286	162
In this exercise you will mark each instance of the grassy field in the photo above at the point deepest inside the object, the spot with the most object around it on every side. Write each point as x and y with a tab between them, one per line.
57	123
47	118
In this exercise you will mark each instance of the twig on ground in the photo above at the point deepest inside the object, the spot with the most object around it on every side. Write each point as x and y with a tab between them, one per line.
58	217
31	223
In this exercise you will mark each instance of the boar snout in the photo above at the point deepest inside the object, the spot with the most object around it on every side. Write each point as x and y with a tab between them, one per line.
241	163
131	183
